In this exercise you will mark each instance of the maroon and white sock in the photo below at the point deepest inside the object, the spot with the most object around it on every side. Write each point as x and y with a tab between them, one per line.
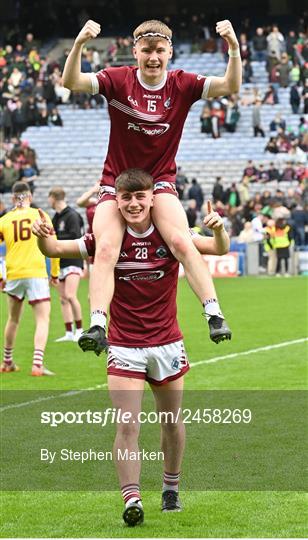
78	324
171	481
38	358
131	494
69	326
8	355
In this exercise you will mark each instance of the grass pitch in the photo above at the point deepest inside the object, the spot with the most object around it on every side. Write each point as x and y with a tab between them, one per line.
261	312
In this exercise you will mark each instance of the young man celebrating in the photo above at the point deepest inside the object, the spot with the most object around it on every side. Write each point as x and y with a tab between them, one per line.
148	106
26	276
143	316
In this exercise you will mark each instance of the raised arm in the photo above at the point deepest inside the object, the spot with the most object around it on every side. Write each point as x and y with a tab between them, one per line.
48	243
89	197
73	79
231	82
219	244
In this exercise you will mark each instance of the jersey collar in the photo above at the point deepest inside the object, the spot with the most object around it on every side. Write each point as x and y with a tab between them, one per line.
140	235
151	88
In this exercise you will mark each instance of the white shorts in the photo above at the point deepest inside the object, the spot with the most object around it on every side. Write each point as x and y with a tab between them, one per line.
68	270
36	289
157	365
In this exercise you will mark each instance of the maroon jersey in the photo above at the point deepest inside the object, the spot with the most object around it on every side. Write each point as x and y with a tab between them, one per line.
90	211
143	308
146	122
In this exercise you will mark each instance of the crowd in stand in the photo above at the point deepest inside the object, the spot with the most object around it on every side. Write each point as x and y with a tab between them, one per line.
239	207
18	161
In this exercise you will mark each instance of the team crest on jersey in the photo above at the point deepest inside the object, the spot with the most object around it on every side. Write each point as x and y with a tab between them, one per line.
175	363
149	129
161	252
61	226
133	101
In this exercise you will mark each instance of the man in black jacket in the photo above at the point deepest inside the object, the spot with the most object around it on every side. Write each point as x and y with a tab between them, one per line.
68	225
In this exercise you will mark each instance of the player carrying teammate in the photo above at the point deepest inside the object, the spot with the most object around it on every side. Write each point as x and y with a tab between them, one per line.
148	106
26	276
143	317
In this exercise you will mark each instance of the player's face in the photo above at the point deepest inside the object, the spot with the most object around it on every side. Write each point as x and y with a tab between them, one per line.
152	57
135	207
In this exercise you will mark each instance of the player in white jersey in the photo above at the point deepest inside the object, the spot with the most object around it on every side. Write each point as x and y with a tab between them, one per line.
146	130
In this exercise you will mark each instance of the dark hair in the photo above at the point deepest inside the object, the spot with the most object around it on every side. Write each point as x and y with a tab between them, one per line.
20	187
134	180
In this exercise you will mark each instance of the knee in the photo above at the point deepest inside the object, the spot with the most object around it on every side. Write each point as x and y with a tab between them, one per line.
180	245
172	428
129	430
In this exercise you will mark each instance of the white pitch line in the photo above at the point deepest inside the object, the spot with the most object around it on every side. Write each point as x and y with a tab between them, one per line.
193	364
250	351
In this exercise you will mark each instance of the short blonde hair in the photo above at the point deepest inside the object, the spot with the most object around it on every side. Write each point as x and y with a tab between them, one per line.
153	27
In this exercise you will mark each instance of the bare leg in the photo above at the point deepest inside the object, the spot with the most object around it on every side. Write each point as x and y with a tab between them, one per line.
15	310
66	309
168	398
70	294
126	394
108	228
171	221
41	312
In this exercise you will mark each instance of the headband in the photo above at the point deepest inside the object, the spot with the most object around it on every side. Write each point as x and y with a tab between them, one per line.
153	34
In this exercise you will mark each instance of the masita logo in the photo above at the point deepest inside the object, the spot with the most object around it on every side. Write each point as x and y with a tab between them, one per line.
149	129
144	275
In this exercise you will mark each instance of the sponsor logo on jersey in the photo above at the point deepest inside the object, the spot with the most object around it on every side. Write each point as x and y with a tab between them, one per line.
167	103
161	252
141	243
143	275
152	96
175	364
149	129
133	101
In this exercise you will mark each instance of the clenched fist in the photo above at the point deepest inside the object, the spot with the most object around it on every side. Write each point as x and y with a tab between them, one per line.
90	31
225	30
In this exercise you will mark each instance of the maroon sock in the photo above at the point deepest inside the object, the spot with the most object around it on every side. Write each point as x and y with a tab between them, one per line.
69	326
78	324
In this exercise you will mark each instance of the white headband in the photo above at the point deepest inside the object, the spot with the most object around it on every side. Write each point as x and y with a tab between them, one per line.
153	34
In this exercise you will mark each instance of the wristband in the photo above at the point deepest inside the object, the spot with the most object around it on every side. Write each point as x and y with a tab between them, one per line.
234	53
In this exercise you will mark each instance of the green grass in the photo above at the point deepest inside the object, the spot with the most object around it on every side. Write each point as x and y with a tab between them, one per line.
261	312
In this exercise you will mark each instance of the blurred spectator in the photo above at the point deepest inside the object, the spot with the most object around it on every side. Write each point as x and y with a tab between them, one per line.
299	220
247	70
88	200
191	213
291	41
244	47
9	176
195	192
259	45
262	174
250	171
218	190
180	183
273	173
283	71
28	175
217	118
270	96
256	119
231	196
275	42
295	99
55	118
295	73
232	115
288	173
276	123
247	234
282	242
243	190
206	120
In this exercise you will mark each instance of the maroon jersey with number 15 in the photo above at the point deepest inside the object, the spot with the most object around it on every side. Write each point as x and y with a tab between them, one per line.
146	122
143	308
